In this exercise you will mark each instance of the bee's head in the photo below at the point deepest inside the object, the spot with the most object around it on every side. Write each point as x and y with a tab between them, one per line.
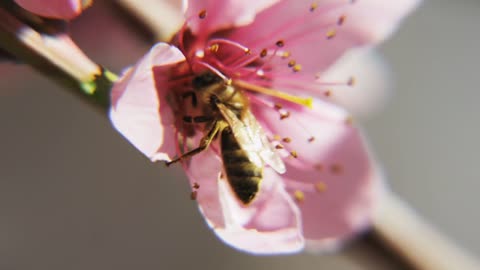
205	79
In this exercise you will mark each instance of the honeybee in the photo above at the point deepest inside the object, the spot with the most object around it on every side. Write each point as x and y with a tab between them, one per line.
245	148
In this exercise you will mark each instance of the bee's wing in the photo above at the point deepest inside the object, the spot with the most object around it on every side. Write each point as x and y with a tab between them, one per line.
266	150
251	138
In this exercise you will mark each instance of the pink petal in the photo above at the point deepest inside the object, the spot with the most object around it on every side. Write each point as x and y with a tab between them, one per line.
270	225
58	9
333	172
140	111
305	32
222	14
203	170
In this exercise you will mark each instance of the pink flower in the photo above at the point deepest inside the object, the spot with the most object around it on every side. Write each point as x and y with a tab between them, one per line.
58	9
275	53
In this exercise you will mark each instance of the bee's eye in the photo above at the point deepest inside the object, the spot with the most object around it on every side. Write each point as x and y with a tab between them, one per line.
205	80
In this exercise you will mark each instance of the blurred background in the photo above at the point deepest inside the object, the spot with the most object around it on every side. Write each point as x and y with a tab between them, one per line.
75	195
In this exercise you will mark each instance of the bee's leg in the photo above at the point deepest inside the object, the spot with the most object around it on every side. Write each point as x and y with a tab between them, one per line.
193	96
197	119
204	143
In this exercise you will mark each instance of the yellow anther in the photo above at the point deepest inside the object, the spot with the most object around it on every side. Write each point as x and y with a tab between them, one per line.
320	186
285	55
214	47
297	68
299	196
331	33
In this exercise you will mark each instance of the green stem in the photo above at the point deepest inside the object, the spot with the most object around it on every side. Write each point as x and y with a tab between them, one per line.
55	57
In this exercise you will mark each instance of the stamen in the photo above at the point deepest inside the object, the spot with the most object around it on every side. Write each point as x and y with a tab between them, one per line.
196	185
287	139
279	146
313	6
294	154
212	69
280	43
228	42
308	102
311	139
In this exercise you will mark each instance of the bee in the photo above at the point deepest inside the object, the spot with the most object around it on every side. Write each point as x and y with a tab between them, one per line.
244	146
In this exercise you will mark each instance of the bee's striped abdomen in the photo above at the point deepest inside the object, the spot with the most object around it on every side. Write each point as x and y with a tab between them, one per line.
243	176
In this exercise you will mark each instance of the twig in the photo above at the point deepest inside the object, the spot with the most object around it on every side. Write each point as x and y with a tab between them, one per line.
421	245
57	57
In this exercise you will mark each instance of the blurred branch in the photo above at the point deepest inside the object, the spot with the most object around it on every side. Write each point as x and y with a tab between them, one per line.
55	56
421	245
162	17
